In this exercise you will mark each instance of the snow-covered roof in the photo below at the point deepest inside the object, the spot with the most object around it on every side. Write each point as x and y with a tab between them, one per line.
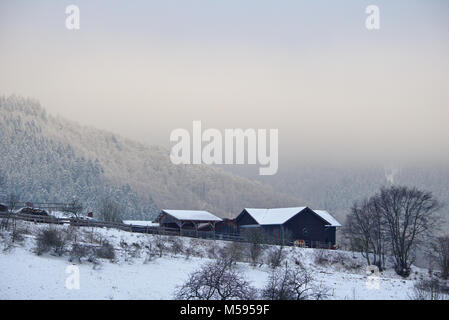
327	216
141	223
196	215
273	216
282	215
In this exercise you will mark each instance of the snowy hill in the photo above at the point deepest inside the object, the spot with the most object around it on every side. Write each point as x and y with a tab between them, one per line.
131	274
46	158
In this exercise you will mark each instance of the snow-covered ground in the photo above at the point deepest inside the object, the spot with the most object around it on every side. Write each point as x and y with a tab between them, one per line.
28	276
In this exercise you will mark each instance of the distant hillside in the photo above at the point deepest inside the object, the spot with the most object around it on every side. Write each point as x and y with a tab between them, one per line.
336	188
47	158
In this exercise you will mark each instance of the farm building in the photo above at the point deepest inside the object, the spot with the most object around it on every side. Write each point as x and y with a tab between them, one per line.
188	220
312	227
227	226
3	208
140	226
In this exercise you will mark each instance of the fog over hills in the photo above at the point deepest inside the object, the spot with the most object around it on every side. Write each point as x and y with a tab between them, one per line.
47	158
335	188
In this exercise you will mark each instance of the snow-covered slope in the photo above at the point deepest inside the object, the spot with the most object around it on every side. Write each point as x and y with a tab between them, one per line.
28	276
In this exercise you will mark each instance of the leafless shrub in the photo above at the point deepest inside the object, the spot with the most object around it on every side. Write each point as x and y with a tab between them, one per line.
256	244
176	246
17	236
441	255
293	283
71	234
322	257
195	248
78	252
429	290
213	251
7	243
131	251
93	259
151	253
297	257
90	236
134	250
216	280
4	224
159	244
233	252
105	251
50	239
275	256
346	261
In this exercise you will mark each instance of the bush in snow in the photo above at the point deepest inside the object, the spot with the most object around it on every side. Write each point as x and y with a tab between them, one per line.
195	247
50	239
79	251
130	251
322	257
441	255
176	246
105	251
293	283
431	289
256	243
233	252
158	244
275	256
213	251
151	251
218	280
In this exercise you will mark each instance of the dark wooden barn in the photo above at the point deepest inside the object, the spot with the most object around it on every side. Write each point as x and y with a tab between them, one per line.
314	228
188	220
227	226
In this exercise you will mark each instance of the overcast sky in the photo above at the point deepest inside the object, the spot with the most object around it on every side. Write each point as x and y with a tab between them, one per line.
335	90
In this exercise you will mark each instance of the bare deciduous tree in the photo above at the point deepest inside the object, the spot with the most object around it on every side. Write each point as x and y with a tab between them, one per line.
366	231
110	211
256	238
293	283
409	215
275	256
12	200
397	216
75	207
218	280
429	290
2	185
441	251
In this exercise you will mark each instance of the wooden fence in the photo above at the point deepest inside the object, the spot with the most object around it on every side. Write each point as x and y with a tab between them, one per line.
121	226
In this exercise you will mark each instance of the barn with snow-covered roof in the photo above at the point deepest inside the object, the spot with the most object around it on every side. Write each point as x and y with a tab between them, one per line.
314	228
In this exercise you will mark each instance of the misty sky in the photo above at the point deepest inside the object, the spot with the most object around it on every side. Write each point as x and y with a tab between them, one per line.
335	90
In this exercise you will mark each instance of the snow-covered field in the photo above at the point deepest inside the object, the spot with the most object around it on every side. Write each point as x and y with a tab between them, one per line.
28	276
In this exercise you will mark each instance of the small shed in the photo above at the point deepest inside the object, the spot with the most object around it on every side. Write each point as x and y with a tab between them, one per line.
187	219
3	208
